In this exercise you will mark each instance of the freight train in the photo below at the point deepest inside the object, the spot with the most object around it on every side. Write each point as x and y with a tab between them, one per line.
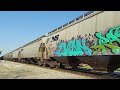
92	38
0	53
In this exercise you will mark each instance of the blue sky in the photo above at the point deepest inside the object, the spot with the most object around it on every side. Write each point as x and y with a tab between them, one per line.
20	27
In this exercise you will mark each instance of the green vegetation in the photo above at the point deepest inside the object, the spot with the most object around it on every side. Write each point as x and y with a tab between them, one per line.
86	66
89	67
118	69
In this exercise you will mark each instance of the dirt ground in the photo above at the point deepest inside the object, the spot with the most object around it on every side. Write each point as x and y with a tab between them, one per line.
14	70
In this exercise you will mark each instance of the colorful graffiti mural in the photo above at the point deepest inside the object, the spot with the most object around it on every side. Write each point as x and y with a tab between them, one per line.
74	47
110	41
106	44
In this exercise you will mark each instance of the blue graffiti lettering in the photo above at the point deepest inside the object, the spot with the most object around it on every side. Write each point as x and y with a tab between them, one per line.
73	48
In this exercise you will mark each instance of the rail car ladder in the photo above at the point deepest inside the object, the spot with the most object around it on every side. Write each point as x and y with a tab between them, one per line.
42	51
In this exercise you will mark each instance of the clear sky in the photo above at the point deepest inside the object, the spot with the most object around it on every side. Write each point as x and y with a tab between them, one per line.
20	27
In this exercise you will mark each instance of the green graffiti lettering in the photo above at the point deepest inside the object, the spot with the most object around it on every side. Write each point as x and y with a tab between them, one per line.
107	42
115	49
113	35
101	40
99	48
117	31
85	48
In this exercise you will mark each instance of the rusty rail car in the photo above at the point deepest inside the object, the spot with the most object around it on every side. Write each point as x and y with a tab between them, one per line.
92	38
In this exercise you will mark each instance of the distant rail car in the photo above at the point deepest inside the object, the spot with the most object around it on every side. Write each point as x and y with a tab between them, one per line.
93	39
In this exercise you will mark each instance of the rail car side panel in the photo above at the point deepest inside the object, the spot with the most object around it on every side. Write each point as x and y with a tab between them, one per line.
107	25
90	35
15	54
10	56
53	40
4	57
31	51
97	35
75	37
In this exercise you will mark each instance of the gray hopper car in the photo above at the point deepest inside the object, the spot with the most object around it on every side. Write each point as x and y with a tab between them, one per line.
92	38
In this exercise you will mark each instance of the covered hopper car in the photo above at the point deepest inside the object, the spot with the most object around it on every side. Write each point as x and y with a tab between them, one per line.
93	39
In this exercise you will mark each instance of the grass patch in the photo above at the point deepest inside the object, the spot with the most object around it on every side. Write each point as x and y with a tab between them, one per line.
118	69
86	66
89	67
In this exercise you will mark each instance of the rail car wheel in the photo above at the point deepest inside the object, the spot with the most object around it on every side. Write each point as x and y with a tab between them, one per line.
73	66
26	61
111	68
45	65
18	61
13	60
58	65
40	63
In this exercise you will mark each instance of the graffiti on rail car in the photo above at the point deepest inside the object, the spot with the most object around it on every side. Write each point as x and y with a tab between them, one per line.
108	43
74	47
111	41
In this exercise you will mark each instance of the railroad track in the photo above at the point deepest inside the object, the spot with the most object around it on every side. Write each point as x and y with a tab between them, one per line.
102	75
90	73
85	72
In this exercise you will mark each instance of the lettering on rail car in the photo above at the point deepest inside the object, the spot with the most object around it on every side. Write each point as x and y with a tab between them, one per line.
55	38
75	47
110	41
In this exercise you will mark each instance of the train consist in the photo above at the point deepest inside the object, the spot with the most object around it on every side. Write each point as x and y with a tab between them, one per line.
93	39
0	53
